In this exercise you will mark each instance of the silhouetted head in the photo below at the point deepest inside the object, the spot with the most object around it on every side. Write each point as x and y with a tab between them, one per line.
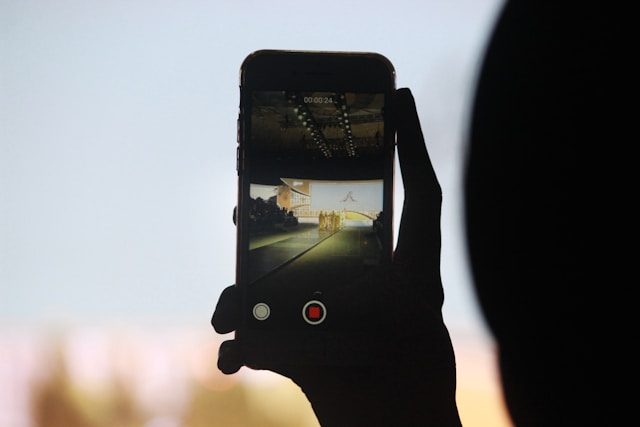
532	115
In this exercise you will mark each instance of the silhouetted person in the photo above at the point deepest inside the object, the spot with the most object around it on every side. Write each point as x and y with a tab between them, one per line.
532	113
536	112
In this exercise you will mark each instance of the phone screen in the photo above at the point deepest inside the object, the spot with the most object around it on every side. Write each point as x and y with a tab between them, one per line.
314	205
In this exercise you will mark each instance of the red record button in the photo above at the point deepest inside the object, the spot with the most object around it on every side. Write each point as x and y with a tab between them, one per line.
314	312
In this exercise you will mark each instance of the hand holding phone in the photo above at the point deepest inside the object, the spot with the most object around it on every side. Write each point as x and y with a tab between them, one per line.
413	380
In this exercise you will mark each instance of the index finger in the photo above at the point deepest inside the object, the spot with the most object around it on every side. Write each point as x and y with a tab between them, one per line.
417	171
419	240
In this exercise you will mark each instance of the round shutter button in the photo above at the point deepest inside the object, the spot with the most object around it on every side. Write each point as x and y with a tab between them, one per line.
314	312
261	311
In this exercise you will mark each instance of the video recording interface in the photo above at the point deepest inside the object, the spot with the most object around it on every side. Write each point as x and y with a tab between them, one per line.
316	184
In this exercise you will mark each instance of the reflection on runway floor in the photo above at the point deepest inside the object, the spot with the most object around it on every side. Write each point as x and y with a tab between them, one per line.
354	246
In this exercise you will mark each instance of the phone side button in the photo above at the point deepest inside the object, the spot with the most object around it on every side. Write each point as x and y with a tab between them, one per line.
261	311
238	128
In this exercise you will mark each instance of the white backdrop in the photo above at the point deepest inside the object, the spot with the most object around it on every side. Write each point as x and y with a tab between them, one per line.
118	139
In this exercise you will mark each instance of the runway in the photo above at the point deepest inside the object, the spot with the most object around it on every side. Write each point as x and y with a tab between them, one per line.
309	257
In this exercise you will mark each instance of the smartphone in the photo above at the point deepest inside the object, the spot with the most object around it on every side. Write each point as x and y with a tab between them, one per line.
315	160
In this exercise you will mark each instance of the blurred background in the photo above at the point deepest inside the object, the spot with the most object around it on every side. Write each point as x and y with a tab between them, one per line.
117	184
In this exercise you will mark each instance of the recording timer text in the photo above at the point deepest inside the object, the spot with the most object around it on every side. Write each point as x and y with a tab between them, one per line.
318	100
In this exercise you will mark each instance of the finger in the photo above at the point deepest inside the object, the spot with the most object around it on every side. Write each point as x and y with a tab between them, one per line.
229	360
419	233
226	316
419	240
418	175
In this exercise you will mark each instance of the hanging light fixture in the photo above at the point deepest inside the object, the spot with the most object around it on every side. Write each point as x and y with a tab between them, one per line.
305	116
